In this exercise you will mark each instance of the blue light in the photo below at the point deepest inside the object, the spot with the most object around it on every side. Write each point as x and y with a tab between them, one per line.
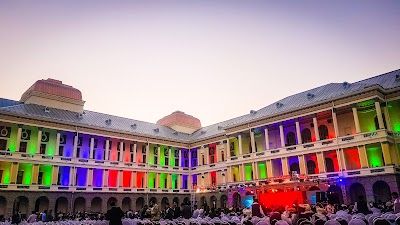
247	201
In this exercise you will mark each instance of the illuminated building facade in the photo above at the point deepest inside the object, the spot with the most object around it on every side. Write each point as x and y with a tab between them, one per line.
336	141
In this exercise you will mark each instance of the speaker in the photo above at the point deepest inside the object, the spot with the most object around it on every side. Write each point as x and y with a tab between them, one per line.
5	132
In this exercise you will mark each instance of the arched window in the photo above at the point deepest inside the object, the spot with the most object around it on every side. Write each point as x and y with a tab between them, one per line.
311	167
377	123
323	132
290	139
329	165
306	135
295	167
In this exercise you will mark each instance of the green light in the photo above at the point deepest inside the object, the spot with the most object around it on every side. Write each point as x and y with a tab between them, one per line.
151	178
174	178
51	145
27	168
163	176
12	141
172	156
249	172
47	173
374	155
5	166
262	169
150	157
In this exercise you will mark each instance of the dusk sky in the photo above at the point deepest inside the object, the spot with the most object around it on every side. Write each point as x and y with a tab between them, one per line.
214	60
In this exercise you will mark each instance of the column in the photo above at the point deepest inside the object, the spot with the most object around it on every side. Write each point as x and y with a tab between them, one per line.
89	177
147	152
321	162
282	135
105	178
269	169
190	182
356	120
386	153
207	155
146	183
266	137
134	152
342	159
13	172
179	182
199	161
170	156
335	122
285	166
229	174
243	172
157	184
19	133
35	174
316	131
169	181
121	151
57	150
158	155
298	132
39	140
54	177
107	150
302	164
72	175
120	178
256	171
253	143
133	179
240	144
362	154
75	146
379	114
91	149
190	157
217	153
228	149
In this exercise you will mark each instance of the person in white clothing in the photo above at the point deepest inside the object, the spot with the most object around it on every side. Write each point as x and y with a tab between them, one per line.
396	202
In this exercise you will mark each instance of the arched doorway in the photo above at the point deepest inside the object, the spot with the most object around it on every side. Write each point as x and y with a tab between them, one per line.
224	201
111	200
306	135
164	202
294	167
323	132
311	167
335	195
95	205
153	199
356	190
213	202
61	205
126	204
330	167
237	200
3	205
41	204
290	139
381	191
79	204
139	203
176	200
186	200
202	201
21	204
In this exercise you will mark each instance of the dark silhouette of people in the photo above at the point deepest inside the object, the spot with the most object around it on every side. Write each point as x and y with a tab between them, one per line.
114	215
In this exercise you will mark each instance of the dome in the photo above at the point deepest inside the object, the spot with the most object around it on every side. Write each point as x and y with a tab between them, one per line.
181	122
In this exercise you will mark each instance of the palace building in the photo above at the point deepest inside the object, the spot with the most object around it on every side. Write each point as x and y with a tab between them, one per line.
335	142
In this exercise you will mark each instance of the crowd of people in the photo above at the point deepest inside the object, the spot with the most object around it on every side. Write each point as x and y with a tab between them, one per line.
324	213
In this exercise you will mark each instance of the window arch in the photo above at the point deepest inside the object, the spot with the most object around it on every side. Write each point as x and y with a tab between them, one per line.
330	167
323	132
290	139
311	166
306	135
